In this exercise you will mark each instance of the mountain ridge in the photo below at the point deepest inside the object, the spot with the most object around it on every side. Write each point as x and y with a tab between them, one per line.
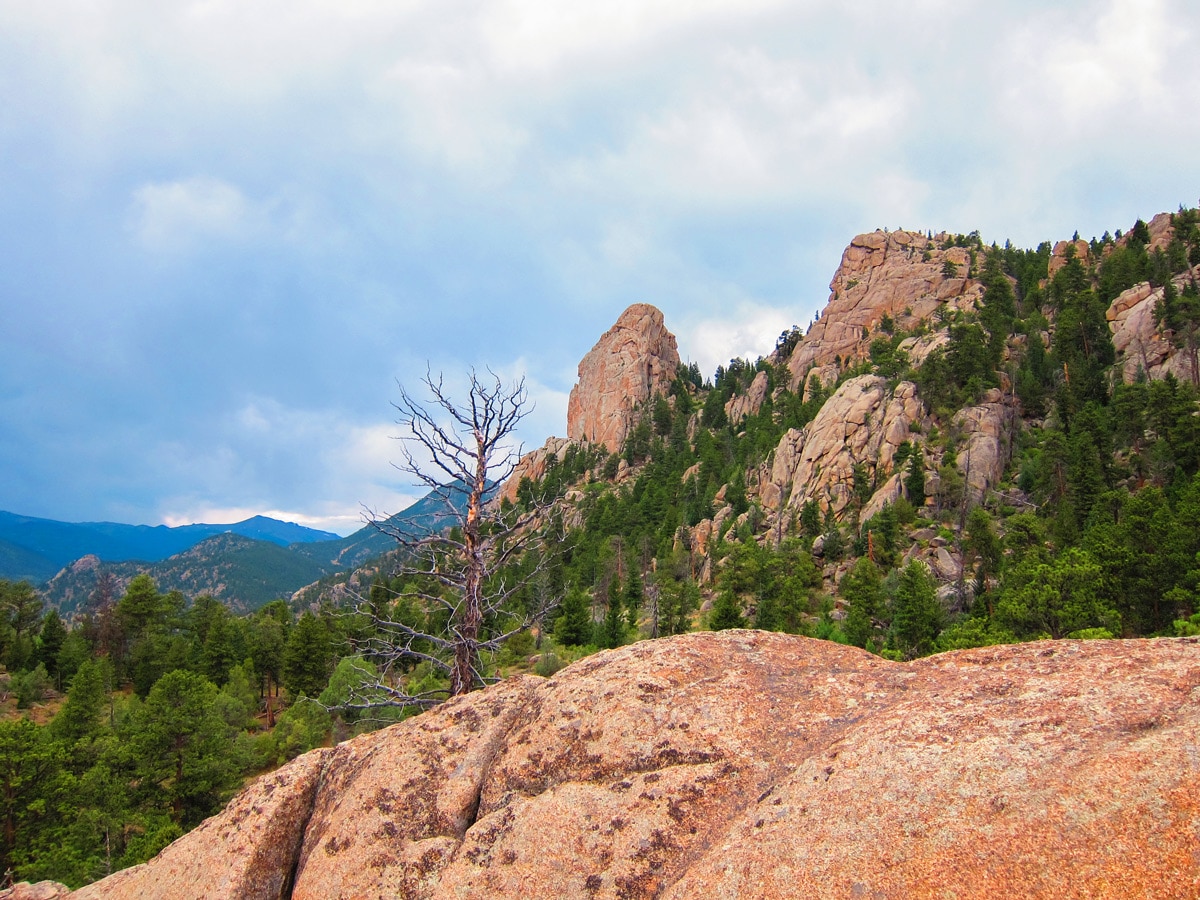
51	544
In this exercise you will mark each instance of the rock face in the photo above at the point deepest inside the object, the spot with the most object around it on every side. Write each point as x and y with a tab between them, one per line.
258	835
986	430
533	466
863	422
1139	342
749	403
901	274
743	765
634	360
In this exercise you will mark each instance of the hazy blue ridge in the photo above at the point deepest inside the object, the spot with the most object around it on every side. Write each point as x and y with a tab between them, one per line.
427	515
37	548
19	563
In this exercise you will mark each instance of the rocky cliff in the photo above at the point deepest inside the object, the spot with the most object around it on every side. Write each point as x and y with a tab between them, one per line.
742	765
904	275
1141	345
634	360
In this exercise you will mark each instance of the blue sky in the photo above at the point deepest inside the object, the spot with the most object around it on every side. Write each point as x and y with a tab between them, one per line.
228	228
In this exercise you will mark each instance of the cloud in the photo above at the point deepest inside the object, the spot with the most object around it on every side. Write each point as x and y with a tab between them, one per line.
343	191
178	214
748	331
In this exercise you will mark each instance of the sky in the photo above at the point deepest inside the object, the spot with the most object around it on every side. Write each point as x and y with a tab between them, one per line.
230	229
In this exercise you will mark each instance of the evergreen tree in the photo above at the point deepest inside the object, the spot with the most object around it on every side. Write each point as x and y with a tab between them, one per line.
50	643
183	749
916	614
862	589
726	612
574	625
634	596
1056	598
612	628
307	657
30	771
914	480
78	722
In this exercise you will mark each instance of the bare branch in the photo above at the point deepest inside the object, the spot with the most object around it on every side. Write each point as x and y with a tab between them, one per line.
455	580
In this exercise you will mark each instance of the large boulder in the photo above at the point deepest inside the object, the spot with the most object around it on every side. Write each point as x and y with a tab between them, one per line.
988	430
634	360
743	764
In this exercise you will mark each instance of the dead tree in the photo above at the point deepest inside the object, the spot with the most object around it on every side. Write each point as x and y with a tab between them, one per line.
462	454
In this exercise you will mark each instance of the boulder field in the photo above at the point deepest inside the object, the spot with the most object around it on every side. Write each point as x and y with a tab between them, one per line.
746	765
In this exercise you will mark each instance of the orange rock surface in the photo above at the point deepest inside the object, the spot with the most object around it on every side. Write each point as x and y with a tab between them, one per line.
743	765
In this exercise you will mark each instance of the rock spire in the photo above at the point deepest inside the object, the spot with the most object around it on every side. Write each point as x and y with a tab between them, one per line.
632	361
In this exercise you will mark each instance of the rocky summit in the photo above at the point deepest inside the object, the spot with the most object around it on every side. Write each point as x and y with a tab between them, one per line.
745	765
632	361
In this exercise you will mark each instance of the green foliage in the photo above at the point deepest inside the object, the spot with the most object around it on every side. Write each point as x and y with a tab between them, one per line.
916	614
307	657
866	613
574	625
30	687
50	643
301	727
183	747
548	664
958	374
914	479
611	631
1056	598
972	631
726	612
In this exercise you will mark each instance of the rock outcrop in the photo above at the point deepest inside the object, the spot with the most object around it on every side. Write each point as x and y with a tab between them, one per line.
1139	342
748	404
862	423
901	274
742	764
634	360
987	430
533	466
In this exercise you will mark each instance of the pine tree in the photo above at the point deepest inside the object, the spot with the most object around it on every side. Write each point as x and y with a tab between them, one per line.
916	614
726	612
574	625
635	596
862	589
307	657
183	749
612	629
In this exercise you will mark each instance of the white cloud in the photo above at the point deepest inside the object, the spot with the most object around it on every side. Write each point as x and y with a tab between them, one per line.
533	35
401	167
749	332
339	523
173	215
1080	75
759	129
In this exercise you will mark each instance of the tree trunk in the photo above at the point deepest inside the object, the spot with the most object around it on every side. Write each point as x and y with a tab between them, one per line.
466	641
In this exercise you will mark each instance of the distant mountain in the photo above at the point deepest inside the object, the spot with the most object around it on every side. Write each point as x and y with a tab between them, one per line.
429	514
245	569
240	571
35	549
19	563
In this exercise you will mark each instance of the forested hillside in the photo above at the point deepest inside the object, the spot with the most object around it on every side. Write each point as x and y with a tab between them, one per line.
974	444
